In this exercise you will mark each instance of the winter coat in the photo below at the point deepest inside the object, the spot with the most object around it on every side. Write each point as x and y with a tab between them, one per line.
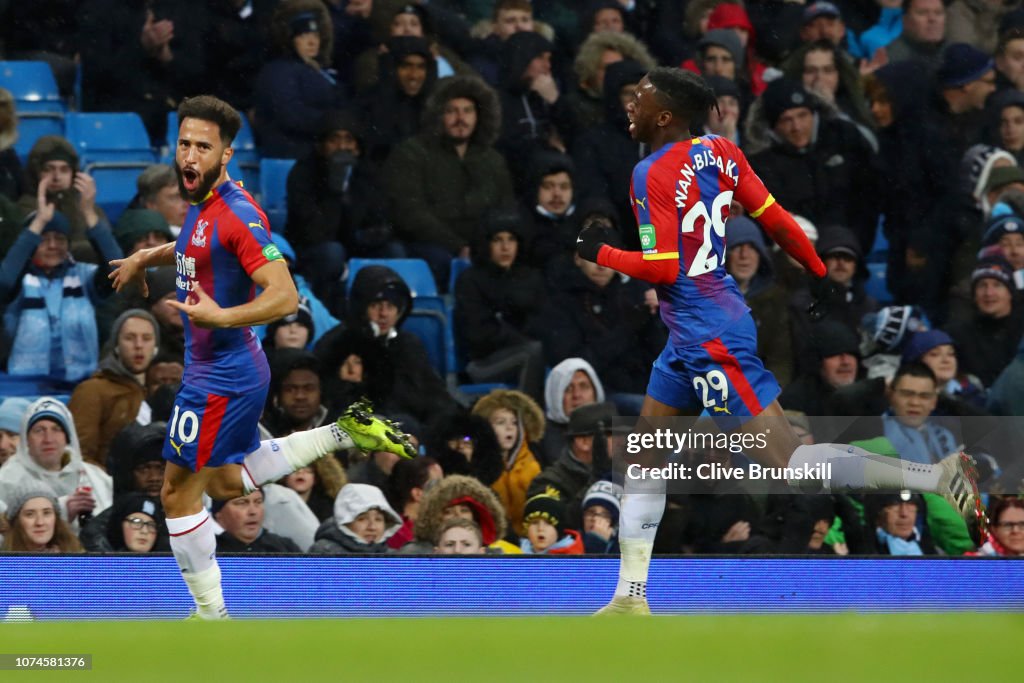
824	181
237	44
554	389
610	327
435	196
37	301
20	468
330	540
266	542
571	478
109	400
521	466
497	308
570	544
398	376
986	345
353	500
606	154
488	512
977	22
486	464
903	49
291	99
287	516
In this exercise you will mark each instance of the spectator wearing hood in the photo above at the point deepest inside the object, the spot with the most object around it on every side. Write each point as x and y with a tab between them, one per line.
12	410
463	443
552	205
48	454
115	395
609	320
294	331
322	319
393	108
841	290
536	114
570	384
458	496
899	525
606	154
508	17
913	195
51	300
442	181
818	167
295	89
720	53
750	264
497	302
936	349
394	370
598	52
242	519
988	339
362	523
834	351
136	464
734	17
923	36
135	524
517	421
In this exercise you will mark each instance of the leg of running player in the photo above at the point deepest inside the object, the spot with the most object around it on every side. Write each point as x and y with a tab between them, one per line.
852	468
192	539
643	504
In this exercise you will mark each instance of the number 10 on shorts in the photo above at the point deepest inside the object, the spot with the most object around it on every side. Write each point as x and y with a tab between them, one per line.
185	429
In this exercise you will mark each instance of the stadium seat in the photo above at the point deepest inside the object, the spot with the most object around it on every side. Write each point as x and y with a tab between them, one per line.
115	186
34	125
33	86
109	138
274	191
458	266
30	386
414	271
430	327
876	285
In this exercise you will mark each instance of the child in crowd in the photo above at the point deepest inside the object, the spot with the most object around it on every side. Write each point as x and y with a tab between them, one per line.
544	519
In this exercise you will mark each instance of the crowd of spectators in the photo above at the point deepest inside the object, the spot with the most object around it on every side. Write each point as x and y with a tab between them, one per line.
487	131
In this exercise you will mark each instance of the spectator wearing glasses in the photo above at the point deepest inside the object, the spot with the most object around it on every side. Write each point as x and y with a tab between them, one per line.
136	525
1006	537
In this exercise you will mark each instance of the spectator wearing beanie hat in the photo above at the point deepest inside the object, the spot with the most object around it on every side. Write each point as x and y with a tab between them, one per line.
750	264
12	412
294	331
935	349
1007	232
989	338
734	17
601	506
835	352
817	167
140	228
136	524
51	299
39	532
546	532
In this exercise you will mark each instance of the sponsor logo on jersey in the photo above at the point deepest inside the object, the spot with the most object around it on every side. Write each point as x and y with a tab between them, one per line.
721	409
648	237
199	235
641	202
176	446
271	252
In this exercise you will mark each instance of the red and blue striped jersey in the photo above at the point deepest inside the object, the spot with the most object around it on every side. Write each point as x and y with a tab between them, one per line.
224	240
681	196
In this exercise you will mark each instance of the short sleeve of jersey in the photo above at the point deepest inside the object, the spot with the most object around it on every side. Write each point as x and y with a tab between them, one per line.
656	216
249	240
750	190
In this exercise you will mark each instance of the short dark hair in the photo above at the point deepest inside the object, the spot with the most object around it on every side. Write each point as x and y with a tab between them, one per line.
214	110
914	369
684	93
509	5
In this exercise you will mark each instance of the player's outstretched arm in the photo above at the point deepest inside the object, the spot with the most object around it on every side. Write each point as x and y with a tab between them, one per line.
132	269
278	299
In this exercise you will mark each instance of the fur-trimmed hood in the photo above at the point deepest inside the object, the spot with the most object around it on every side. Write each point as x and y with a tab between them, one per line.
486	464
281	33
488	108
487	509
530	415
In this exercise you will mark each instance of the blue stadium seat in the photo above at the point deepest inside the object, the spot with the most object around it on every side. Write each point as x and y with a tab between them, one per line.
34	125
109	137
30	386
430	327
458	266
876	285
115	186
414	271
274	191
33	86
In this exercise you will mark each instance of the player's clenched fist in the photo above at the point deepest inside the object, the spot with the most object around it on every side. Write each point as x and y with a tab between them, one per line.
596	232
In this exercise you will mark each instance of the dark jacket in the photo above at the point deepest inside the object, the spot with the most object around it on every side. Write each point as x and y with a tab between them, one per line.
605	155
572	478
291	98
986	345
117	72
266	542
497	308
435	196
330	540
486	465
238	46
826	181
610	327
397	372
